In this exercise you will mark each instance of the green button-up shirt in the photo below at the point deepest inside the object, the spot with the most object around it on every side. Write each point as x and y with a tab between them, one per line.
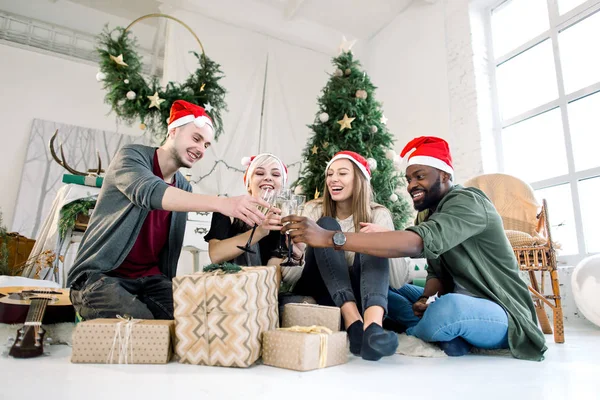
465	245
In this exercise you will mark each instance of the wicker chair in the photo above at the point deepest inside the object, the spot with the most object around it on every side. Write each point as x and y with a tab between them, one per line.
528	229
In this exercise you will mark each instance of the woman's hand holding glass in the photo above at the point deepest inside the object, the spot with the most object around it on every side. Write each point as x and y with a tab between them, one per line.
267	195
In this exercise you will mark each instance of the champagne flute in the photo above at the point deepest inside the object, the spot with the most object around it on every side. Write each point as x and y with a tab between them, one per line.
267	195
282	195
297	207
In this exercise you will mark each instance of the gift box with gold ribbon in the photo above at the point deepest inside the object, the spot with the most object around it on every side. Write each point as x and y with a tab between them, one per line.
304	348
304	314
220	317
122	341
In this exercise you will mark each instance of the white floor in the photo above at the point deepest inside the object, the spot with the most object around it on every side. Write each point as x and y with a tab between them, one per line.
570	371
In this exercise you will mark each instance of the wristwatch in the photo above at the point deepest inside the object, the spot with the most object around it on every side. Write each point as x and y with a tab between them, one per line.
339	239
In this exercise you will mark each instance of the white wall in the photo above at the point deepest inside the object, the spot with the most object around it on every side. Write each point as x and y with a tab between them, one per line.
431	66
35	85
407	62
38	84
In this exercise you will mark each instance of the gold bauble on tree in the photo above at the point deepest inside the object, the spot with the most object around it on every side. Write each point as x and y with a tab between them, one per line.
361	94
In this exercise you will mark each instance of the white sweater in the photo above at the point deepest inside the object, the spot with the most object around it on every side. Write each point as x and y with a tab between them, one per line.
399	267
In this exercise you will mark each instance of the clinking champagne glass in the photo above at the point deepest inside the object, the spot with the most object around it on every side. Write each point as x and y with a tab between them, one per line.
267	195
297	207
282	195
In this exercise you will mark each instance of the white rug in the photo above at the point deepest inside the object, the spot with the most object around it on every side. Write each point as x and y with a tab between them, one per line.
415	347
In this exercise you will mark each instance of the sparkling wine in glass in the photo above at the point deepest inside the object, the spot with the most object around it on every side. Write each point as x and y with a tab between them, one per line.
267	195
282	196
295	205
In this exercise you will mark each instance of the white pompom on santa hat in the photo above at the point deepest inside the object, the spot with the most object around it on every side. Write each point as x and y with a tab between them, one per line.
428	150
360	161
183	112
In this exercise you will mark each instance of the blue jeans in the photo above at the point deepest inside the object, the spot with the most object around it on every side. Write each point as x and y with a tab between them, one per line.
480	322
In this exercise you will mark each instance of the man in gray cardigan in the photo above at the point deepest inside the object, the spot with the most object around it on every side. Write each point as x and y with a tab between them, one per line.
129	252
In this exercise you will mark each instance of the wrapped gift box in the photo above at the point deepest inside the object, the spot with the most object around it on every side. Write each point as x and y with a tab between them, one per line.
304	348
121	341
296	314
219	318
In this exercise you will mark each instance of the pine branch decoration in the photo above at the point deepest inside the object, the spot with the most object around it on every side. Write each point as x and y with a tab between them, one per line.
226	267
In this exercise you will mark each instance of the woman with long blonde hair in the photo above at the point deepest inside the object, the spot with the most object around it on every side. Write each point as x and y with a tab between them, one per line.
357	283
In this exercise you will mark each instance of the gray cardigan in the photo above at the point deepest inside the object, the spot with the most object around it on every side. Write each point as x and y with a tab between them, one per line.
130	190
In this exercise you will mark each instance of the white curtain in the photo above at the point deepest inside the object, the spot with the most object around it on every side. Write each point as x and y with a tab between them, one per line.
257	68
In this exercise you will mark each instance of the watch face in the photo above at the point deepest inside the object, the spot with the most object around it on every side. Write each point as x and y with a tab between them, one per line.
339	239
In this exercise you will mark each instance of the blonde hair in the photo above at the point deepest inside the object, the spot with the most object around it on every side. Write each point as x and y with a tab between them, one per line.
263	160
362	197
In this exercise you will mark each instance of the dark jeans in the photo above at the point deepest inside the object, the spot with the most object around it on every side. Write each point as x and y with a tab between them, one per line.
103	296
327	278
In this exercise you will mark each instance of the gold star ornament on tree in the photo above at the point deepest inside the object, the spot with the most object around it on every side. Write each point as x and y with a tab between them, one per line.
314	149
345	122
119	60
317	193
155	100
202	87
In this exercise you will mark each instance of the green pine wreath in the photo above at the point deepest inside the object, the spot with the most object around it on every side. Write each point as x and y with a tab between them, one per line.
120	81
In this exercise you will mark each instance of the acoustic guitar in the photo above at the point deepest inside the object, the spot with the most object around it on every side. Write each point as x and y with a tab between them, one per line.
33	306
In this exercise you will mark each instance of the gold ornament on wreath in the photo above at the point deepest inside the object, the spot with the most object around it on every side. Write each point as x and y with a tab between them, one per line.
147	103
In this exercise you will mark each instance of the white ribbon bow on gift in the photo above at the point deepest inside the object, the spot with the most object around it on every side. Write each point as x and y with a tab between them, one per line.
122	343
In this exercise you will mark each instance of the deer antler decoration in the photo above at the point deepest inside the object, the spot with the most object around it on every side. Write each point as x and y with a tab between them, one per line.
63	163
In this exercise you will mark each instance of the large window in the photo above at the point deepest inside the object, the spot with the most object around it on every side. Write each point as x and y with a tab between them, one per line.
546	56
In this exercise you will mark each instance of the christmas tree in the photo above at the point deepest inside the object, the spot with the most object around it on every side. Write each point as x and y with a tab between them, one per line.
349	118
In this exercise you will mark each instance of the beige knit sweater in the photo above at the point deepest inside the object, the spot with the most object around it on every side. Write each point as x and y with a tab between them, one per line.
399	267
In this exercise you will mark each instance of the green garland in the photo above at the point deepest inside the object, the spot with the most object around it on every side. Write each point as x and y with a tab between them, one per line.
69	214
226	267
202	87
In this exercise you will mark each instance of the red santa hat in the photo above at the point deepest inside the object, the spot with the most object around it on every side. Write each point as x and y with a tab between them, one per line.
183	112
428	150
356	158
251	162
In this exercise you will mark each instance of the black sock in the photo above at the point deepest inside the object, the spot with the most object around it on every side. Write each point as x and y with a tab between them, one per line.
378	343
355	335
456	347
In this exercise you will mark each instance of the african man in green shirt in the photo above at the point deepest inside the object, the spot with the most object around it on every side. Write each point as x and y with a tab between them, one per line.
481	300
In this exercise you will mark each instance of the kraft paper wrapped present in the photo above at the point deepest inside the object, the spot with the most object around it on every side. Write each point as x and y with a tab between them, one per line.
304	348
297	314
122	341
220	318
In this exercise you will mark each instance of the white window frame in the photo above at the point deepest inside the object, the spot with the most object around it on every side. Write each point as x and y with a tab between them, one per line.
558	23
